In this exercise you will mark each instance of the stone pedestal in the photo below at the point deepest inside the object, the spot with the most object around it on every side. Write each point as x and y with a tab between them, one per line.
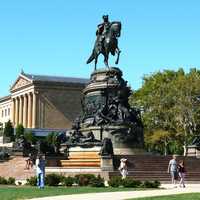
107	113
193	151
107	163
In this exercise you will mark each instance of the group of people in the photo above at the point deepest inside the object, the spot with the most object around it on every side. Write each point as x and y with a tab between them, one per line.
177	171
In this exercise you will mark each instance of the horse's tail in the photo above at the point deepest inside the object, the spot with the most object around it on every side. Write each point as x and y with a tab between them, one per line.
91	58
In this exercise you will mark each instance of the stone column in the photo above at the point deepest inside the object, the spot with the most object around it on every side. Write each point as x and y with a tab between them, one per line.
29	110
16	111
13	111
34	111
25	112
20	109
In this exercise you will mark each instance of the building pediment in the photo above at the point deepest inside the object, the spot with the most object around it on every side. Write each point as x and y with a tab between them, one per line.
20	82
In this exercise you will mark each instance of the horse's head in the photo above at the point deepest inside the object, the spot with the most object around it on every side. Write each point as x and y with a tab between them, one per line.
116	29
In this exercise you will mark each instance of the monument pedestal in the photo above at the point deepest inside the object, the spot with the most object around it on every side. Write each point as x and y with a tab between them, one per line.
193	151
107	113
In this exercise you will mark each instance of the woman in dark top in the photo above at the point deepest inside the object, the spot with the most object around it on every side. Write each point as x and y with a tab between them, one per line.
181	172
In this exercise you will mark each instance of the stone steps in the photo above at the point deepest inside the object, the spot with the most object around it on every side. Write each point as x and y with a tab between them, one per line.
82	159
148	167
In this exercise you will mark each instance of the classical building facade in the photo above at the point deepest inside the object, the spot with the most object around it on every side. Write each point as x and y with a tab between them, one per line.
38	101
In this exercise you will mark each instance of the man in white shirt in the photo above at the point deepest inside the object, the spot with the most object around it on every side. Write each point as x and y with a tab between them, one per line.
40	171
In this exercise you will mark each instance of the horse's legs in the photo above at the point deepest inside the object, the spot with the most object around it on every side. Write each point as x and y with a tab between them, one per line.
106	59
118	53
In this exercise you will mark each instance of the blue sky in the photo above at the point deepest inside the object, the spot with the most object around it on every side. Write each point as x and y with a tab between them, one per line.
55	37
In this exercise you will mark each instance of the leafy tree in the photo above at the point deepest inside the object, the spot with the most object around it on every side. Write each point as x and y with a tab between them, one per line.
9	130
30	137
19	130
170	106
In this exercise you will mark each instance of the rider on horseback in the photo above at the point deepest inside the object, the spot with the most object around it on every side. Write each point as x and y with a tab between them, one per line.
102	30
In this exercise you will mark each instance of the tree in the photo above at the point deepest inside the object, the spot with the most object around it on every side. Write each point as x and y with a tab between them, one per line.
9	130
170	104
19	130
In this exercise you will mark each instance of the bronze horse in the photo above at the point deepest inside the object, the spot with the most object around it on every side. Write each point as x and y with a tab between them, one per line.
108	45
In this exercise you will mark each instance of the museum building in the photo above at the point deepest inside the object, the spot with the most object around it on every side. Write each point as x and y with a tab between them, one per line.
40	101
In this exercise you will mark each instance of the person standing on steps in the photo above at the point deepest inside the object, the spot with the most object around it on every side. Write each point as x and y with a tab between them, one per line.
181	173
123	168
173	170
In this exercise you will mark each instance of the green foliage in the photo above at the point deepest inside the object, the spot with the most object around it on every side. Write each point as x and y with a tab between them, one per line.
84	179
149	184
19	130
170	106
31	181
131	183
97	182
68	181
3	181
30	137
11	181
9	130
115	181
53	179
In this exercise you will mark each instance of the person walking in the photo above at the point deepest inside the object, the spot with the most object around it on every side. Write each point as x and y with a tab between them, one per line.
173	170
181	172
40	171
123	168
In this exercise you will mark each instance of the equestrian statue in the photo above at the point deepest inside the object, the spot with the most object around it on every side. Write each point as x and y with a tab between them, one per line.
106	41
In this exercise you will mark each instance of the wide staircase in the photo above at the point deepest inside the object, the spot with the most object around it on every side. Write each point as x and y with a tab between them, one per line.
82	159
151	167
15	167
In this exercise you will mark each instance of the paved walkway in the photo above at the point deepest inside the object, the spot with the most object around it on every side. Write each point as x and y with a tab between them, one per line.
127	195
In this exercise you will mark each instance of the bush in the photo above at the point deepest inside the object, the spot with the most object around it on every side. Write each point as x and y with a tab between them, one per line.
3	181
9	130
68	181
149	184
19	130
30	137
11	181
84	179
53	179
31	181
97	182
131	183
115	181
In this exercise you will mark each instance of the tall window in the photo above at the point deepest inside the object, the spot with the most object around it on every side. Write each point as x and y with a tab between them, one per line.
5	112
2	114
8	111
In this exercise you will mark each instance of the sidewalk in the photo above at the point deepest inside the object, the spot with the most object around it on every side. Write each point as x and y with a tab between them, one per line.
168	190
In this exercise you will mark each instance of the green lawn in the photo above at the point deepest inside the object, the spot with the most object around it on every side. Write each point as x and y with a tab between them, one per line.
191	196
25	192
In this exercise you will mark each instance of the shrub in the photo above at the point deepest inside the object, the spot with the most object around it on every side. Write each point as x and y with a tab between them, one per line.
68	181
19	130
30	137
149	184
115	181
53	179
97	182
131	183
31	181
84	179
3	181
11	181
9	130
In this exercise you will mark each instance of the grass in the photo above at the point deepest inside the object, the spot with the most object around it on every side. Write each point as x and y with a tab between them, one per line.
26	192
190	196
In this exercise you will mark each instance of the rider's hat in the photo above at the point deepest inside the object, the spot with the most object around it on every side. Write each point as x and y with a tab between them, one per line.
105	17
